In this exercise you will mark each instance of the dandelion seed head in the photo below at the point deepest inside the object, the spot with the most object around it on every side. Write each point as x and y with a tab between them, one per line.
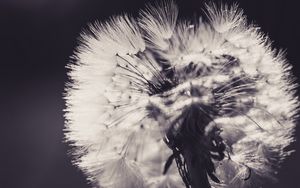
158	102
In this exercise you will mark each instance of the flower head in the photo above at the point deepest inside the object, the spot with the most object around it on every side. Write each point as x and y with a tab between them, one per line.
214	97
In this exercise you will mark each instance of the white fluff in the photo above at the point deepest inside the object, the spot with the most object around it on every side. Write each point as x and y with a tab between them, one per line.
117	145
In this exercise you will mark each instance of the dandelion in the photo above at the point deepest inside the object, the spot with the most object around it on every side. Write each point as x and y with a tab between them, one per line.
159	102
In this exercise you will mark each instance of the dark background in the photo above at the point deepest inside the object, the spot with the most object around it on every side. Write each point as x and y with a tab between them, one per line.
36	39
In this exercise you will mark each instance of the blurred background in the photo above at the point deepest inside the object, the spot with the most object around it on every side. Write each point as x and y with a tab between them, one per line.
37	38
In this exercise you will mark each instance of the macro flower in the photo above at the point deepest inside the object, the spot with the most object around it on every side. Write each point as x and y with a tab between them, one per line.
156	101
